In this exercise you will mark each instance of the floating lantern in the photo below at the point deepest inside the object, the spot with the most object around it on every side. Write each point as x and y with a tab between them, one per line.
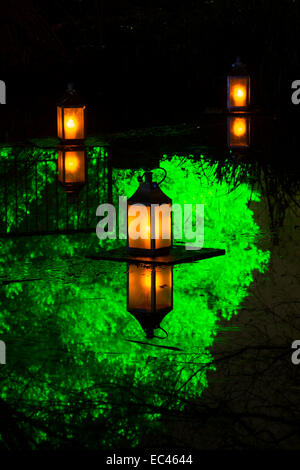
72	168
149	219
71	117
238	131
149	294
238	88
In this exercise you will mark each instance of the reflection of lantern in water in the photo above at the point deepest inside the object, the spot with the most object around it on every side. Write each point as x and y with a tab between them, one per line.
149	294
72	168
238	88
71	116
238	131
149	219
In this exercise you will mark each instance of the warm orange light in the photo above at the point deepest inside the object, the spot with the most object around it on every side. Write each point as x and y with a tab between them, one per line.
143	228
70	123
149	219
163	226
238	92
162	222
71	162
146	279
238	131
71	166
163	286
239	95
239	127
139	287
149	288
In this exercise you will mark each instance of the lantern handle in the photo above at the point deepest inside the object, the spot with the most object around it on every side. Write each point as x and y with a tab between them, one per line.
165	175
140	178
161	337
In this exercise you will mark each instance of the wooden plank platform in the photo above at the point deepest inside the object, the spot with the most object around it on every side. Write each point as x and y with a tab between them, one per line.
178	255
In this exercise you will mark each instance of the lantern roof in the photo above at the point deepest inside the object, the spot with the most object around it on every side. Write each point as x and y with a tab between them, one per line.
238	68
71	99
149	192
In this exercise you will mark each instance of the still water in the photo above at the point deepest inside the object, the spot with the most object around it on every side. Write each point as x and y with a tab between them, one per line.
80	369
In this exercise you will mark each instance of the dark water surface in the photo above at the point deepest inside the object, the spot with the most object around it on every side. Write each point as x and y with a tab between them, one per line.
80	370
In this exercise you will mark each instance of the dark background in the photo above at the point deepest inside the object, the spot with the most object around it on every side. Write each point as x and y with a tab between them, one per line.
141	62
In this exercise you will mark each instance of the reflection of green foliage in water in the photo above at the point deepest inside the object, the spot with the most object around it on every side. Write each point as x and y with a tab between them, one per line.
77	374
33	190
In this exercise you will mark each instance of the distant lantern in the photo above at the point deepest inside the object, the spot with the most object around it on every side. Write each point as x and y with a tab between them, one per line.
238	131
149	219
238	88
71	117
149	294
72	169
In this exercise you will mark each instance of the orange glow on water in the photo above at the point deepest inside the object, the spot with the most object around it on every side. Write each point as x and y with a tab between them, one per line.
71	124
238	131
239	127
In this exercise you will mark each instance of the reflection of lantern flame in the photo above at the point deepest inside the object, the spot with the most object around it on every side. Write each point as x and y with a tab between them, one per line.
149	294
239	127
149	231
238	131
239	95
72	168
71	163
238	92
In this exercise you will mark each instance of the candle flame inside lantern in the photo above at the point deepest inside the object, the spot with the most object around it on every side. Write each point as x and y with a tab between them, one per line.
238	131
71	124
239	95
149	288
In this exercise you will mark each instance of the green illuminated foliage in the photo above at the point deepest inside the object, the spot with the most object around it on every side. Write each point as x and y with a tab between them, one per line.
75	374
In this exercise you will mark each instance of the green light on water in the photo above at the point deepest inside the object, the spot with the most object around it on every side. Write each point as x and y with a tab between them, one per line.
73	326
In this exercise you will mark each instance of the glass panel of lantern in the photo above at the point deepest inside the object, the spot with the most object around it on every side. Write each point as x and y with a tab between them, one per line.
238	88
72	168
149	219
238	131
149	289
71	117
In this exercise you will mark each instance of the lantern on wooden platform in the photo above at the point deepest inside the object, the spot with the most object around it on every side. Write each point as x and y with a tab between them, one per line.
149	294
149	219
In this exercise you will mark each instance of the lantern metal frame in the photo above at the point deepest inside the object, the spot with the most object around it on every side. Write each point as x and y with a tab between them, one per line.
71	100
149	193
239	71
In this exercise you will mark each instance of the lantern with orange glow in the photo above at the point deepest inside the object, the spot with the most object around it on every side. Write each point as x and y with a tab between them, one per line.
72	168
238	88
149	219
238	131
71	118
149	294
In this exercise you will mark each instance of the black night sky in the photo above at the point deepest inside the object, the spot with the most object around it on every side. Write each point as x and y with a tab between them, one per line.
143	346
